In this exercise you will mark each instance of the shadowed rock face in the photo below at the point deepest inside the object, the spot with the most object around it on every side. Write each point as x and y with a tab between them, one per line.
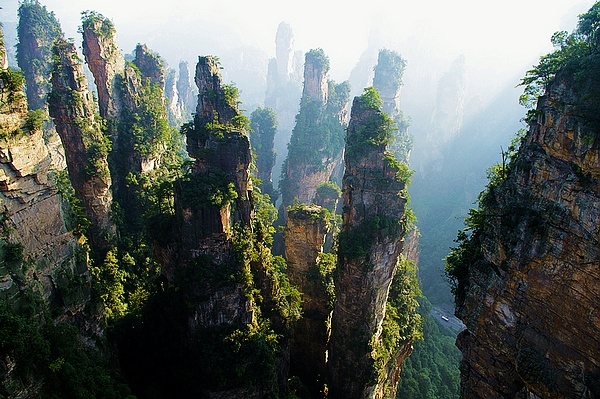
72	108
369	246
215	195
304	237
37	30
530	300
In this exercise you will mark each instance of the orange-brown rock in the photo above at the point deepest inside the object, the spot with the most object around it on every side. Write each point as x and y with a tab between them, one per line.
530	299
105	60
73	110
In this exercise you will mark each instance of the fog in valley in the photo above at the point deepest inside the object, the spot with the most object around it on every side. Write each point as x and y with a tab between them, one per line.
460	96
464	60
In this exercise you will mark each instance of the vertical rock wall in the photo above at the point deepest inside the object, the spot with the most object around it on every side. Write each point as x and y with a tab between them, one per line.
105	60
304	237
369	246
529	298
72	108
215	195
37	30
316	145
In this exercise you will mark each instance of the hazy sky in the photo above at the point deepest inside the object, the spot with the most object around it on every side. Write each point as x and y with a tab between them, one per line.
492	32
500	39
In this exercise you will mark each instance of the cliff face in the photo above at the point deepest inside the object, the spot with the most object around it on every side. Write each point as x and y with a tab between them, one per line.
150	65
369	246
529	297
316	145
263	123
30	201
216	195
3	54
37	30
304	237
387	80
188	98
73	110
105	60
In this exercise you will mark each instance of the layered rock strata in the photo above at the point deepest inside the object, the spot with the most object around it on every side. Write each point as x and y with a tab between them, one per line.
72	108
369	246
304	237
216	195
529	295
31	207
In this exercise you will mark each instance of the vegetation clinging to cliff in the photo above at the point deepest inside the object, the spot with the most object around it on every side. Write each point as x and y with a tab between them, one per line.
576	55
37	30
575	58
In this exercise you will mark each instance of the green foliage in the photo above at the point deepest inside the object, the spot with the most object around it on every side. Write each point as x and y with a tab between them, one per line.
357	241
96	22
231	95
110	279
329	189
376	127
35	120
326	264
389	69
369	100
401	143
52	353
37	30
577	55
318	136
431	371
317	57
145	128
466	253
73	213
11	96
402	323
210	188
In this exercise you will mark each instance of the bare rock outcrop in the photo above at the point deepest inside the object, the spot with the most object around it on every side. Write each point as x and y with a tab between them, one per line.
215	195
528	295
369	245
304	237
105	60
86	148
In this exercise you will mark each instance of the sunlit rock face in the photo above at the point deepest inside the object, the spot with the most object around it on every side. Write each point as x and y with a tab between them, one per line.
304	237
150	65
30	203
3	54
284	52
106	62
369	246
315	78
530	301
72	109
187	99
